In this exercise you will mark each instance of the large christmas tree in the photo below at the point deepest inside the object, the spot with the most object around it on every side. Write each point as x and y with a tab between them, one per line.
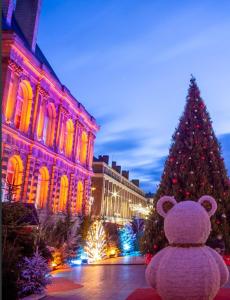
193	168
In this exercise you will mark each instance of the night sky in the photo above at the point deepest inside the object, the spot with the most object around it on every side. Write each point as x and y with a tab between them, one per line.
129	63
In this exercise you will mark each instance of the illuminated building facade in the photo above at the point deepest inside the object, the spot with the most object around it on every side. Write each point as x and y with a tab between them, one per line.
115	197
47	135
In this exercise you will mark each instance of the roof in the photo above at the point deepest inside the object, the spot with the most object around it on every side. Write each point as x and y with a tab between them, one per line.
38	53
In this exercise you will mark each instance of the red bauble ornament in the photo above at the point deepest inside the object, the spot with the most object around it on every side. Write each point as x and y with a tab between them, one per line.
202	105
202	157
155	247
187	193
217	222
174	180
197	126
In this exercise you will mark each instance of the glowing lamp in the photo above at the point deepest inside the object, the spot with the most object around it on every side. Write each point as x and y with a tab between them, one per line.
112	252
53	264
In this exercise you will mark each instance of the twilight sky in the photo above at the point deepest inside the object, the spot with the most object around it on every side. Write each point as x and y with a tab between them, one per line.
129	63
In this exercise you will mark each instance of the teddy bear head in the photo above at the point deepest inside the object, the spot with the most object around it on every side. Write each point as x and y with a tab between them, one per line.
187	222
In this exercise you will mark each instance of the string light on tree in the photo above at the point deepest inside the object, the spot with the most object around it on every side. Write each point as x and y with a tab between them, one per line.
96	245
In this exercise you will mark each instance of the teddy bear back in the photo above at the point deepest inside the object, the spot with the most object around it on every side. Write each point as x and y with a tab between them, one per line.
187	223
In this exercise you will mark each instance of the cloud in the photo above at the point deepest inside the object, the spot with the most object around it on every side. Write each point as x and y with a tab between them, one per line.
120	142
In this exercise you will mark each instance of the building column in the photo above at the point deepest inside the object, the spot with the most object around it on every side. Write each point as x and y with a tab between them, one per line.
27	178
70	193
78	143
51	201
35	109
76	139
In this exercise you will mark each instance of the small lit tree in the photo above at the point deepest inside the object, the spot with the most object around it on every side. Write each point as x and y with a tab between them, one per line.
127	239
96	244
34	275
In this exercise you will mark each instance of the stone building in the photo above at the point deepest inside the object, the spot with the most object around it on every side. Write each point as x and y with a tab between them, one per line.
47	135
115	197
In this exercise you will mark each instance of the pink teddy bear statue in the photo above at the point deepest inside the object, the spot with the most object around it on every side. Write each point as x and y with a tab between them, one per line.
187	269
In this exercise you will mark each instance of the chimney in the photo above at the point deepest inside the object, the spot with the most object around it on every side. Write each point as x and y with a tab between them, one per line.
136	182
27	14
118	169
104	158
7	9
125	174
114	164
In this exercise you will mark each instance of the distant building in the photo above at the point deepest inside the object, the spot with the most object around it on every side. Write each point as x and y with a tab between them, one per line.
150	197
114	196
47	135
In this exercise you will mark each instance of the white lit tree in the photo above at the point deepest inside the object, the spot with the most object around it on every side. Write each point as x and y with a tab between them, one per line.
96	244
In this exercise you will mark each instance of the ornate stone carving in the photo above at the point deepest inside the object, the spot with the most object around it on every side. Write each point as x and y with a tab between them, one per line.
44	93
15	68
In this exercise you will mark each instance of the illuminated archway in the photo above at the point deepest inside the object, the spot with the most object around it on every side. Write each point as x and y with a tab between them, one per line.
14	175
42	188
83	151
80	190
23	106
63	193
69	137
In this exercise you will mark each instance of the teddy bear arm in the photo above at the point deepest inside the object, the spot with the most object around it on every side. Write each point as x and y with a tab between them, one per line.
152	268
224	273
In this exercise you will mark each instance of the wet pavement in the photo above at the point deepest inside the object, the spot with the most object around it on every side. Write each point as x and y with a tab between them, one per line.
102	282
105	282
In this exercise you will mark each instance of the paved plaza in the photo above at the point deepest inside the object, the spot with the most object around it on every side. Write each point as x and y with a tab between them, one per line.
108	281
103	282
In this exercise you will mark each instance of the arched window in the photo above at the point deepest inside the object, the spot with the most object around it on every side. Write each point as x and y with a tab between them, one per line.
14	177
49	125
69	137
63	193
83	148
23	106
42	188
80	191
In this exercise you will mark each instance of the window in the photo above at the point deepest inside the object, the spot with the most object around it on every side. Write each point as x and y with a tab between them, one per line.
14	177
69	137
80	191
83	151
42	188
63	193
23	106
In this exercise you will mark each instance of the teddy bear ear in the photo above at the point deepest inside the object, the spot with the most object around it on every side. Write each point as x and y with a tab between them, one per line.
164	204
209	204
